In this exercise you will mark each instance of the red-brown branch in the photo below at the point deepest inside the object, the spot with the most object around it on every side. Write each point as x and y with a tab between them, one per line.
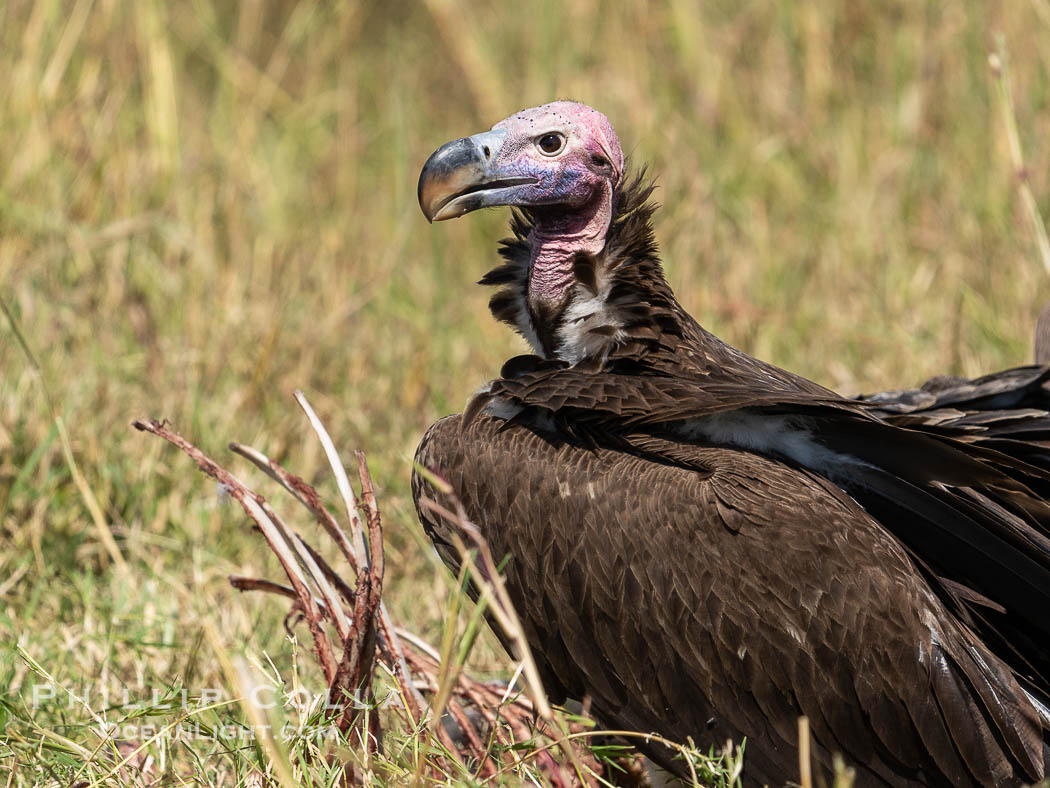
249	501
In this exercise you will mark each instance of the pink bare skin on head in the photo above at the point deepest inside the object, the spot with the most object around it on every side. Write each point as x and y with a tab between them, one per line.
562	161
576	181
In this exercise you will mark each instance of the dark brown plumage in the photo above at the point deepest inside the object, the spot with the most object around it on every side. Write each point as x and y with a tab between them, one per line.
708	546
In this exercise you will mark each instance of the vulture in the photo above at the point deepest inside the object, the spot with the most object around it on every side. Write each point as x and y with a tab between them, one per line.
708	546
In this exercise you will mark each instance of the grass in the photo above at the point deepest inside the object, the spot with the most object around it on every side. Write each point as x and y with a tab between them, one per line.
205	205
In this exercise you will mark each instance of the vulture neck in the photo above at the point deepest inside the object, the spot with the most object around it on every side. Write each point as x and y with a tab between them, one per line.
555	241
575	284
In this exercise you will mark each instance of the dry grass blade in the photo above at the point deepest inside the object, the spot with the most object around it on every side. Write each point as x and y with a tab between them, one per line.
491	586
345	490
998	63
805	764
492	589
85	490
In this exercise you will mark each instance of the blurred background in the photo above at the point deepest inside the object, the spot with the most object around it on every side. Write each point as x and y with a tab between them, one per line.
207	204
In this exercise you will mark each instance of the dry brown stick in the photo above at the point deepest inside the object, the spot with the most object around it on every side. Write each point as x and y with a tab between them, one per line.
481	697
295	555
320	572
419	644
377	567
490	702
422	663
308	497
358	635
500	694
389	640
353	647
475	692
490	711
505	720
242	583
306	560
395	655
428	664
357	530
257	584
304	493
375	526
252	502
369	588
355	668
333	577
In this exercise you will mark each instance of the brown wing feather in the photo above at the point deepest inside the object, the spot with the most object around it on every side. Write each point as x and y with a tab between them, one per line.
1008	411
724	603
974	514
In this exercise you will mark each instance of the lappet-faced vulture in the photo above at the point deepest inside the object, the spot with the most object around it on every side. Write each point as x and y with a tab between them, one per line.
708	546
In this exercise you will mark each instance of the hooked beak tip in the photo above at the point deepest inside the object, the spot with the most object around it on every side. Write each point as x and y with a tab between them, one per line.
456	171
450	170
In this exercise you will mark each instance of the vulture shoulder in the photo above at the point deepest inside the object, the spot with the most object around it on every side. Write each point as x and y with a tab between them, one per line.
769	593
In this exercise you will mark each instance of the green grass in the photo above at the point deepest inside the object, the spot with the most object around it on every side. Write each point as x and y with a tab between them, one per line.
204	205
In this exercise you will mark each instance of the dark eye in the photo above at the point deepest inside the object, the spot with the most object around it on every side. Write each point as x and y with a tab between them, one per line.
551	143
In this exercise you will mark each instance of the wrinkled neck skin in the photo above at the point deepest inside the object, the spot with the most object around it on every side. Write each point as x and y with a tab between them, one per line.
556	239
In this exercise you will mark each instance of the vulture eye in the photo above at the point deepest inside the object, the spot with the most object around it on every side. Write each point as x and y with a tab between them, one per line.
550	144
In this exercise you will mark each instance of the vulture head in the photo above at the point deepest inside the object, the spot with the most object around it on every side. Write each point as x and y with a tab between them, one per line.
562	155
561	164
581	273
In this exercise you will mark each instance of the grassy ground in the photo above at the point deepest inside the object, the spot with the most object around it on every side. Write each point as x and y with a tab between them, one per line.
204	205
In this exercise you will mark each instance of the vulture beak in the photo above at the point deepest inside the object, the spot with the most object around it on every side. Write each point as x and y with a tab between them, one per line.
461	176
